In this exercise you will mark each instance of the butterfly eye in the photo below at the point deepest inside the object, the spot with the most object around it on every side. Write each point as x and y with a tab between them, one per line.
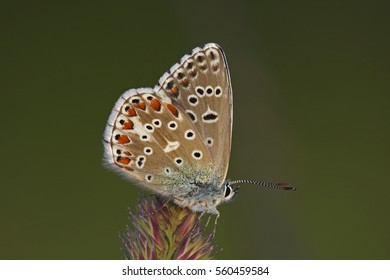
228	191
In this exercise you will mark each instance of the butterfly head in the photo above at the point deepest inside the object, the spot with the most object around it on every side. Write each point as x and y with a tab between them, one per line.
230	188
229	192
225	194
205	198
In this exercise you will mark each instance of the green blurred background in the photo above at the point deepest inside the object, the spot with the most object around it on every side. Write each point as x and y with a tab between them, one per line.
311	107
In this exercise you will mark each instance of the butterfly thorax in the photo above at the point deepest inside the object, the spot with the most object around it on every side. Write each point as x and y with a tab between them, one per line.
201	198
198	188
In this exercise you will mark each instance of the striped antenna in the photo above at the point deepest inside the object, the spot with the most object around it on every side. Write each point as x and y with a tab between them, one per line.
279	186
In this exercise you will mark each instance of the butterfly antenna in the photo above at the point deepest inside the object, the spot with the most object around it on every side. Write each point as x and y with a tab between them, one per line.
279	186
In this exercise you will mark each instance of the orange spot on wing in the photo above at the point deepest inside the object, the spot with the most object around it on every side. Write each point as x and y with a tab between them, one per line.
175	90
185	82
132	112
124	160
128	125
129	169
123	139
127	153
156	105
140	105
172	109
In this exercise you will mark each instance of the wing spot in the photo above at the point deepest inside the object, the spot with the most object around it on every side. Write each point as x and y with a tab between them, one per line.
123	160
209	91
122	139
200	91
172	125
180	75
212	55
192	116
196	154
189	134
131	112
175	91
210	116
218	91
141	161
127	125
178	161
170	85
172	109
134	100
184	83
189	65
193	100
148	151
215	67
140	105
157	123
193	73
149	127
155	104
149	178
200	58
209	141
171	146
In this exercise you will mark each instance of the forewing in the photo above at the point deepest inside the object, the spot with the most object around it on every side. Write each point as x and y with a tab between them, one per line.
200	86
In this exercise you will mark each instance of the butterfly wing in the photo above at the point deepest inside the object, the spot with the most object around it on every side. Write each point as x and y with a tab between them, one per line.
200	86
177	135
151	142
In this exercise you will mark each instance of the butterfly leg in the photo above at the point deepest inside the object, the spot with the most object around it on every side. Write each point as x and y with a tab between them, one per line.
215	212
208	219
215	223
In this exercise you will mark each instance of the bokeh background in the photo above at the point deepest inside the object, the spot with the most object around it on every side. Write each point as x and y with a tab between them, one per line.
311	107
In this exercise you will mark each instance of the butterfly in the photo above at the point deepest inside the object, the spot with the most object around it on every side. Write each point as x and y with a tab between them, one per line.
175	139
